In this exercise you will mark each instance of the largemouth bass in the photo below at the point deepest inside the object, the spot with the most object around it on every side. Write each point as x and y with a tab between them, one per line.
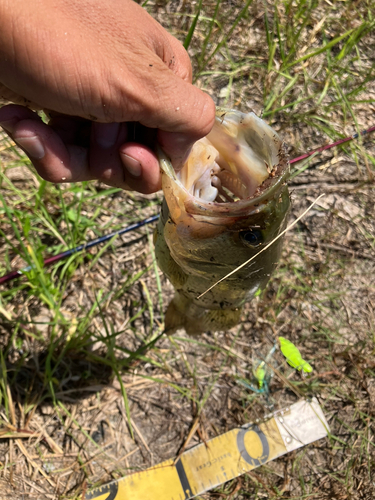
229	200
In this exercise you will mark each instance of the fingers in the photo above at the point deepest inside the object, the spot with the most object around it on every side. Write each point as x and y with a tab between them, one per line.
178	61
42	145
11	114
142	168
172	104
184	114
73	150
54	160
122	164
104	158
180	111
177	146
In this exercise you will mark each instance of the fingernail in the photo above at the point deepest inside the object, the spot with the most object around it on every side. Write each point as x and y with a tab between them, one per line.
180	162
177	146
32	145
106	134
132	165
8	125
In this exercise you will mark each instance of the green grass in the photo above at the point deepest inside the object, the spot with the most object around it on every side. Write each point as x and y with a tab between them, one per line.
91	326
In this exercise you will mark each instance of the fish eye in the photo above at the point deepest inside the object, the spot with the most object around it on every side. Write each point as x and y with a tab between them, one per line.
252	238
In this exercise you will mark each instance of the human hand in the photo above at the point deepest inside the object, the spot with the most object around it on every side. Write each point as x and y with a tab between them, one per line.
96	66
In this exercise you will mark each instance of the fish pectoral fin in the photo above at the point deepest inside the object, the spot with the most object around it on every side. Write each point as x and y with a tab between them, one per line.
176	275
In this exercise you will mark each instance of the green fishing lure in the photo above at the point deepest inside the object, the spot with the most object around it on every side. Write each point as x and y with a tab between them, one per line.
293	356
260	374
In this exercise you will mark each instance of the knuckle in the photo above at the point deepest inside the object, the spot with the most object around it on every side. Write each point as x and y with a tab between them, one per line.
207	115
181	61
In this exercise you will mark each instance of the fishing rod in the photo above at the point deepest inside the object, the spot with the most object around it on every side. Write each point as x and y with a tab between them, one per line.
85	246
332	145
63	255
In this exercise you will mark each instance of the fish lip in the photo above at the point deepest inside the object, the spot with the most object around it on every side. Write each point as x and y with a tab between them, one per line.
269	189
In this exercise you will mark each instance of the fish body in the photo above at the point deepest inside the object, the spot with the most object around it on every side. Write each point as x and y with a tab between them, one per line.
229	201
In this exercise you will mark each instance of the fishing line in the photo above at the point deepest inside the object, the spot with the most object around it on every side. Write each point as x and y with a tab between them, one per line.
265	248
56	258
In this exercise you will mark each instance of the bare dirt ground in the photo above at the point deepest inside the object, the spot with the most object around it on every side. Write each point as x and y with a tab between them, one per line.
322	298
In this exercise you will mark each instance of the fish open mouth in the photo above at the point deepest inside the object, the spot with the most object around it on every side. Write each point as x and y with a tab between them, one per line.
233	161
231	173
208	176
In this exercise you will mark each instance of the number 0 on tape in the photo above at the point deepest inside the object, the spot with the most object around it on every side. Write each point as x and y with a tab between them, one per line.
222	458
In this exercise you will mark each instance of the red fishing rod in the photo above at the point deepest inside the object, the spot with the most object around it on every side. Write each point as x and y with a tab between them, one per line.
332	145
63	255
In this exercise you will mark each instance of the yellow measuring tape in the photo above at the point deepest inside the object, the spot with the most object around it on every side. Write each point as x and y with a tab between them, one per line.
222	458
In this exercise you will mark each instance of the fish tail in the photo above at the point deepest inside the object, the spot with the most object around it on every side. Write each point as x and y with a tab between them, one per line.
182	312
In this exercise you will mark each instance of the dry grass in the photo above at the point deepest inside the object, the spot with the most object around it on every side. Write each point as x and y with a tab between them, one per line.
90	393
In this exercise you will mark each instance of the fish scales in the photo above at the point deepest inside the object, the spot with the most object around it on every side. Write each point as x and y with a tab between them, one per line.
229	201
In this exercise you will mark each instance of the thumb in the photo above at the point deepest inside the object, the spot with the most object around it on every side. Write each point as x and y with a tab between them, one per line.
177	146
188	116
184	113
